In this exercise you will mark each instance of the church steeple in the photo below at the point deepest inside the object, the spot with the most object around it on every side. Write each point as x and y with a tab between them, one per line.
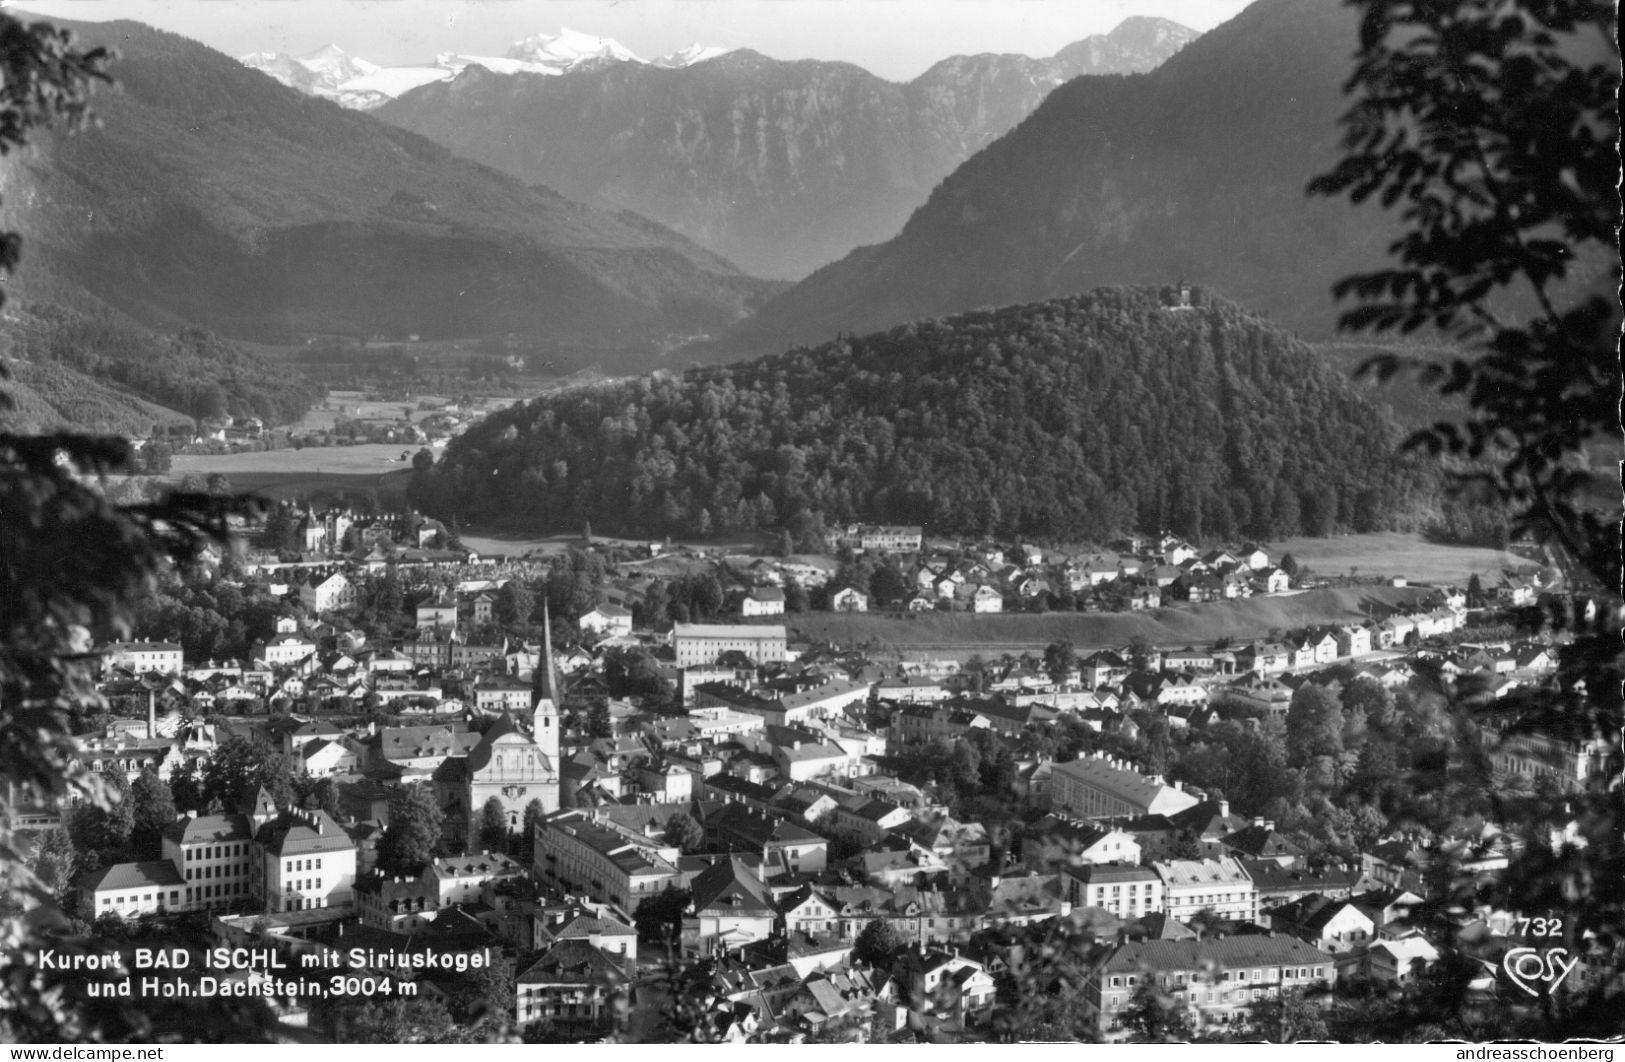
544	680
545	698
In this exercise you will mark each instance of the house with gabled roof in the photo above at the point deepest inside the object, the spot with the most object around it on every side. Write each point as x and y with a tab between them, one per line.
1261	840
575	986
598	925
1333	926
1055	842
131	889
945	987
1398	962
730	908
986	599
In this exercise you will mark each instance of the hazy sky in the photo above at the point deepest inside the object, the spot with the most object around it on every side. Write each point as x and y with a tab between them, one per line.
894	38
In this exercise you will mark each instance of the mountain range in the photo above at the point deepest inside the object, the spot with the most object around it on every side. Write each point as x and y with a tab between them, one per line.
1195	170
779	166
331	73
211	195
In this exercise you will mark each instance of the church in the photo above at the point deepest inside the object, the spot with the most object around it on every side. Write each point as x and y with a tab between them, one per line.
509	763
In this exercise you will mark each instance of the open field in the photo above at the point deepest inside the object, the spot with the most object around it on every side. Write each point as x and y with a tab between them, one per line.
518	543
364	460
961	634
319	473
352	404
1396	553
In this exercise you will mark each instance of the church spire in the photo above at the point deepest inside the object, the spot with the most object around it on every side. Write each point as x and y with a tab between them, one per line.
544	681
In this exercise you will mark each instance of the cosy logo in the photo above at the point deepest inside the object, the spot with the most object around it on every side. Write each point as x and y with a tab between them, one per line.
1528	968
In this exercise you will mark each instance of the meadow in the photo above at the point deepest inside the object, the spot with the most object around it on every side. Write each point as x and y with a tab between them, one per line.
961	634
1397	553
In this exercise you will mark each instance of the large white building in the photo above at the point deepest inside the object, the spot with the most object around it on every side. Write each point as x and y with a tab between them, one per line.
583	855
141	657
1101	787
306	861
326	593
130	889
702	643
1221	885
1128	891
214	853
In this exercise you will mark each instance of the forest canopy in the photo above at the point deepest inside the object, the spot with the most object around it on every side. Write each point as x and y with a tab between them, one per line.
1085	416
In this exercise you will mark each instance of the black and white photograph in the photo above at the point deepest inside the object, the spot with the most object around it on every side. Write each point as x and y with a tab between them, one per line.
786	522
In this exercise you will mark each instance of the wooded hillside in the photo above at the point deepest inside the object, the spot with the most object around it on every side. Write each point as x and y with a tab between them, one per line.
1086	416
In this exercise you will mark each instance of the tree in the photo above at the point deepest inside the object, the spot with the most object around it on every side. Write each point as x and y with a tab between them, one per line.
152	810
599	722
55	863
1155	1017
493	831
484	995
241	766
1289	564
878	944
1287	1018
535	812
795	597
1060	658
1492	128
74	562
515	604
1314	725
684	832
409	841
104	828
659	917
319	794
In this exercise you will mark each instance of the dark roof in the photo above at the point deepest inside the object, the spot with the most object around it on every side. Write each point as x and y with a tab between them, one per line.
304	833
208	829
1261	841
730	886
1270	876
1226	952
157	873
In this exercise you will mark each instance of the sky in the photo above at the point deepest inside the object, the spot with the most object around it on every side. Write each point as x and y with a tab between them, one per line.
897	39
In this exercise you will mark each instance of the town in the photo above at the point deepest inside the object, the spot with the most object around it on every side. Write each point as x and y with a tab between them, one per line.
610	792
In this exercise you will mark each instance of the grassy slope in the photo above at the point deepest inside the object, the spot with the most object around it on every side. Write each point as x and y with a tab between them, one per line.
960	634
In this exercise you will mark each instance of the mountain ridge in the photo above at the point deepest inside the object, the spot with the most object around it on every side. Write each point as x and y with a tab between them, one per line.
1194	170
211	195
781	166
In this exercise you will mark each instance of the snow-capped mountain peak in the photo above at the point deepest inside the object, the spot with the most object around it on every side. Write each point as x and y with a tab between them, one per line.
568	50
319	73
694	53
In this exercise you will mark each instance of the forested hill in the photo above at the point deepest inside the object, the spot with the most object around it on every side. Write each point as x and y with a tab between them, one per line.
99	374
1084	416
